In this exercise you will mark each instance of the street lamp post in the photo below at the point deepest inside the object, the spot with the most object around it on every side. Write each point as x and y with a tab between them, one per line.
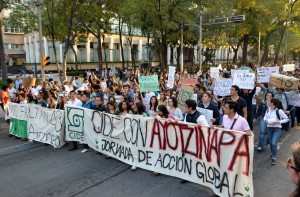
38	7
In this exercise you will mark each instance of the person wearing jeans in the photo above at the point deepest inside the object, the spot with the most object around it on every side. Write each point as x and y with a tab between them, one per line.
274	117
261	111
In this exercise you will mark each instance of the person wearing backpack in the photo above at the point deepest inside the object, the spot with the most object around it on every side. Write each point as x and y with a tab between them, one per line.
288	109
261	111
274	117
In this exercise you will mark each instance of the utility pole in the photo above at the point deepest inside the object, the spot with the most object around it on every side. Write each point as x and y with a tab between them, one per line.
38	7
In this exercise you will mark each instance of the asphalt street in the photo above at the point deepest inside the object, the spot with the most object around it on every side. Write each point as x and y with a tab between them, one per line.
33	169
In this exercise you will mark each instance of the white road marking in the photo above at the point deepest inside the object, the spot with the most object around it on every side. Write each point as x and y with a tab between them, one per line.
4	149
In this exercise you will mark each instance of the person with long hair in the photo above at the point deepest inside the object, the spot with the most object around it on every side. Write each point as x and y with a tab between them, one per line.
260	113
51	103
162	99
163	112
173	108
112	108
293	165
139	109
125	108
153	106
274	117
61	101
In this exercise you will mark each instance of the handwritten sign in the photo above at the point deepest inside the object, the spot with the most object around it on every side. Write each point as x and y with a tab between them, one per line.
232	71
185	93
171	76
293	98
222	87
216	158
289	67
285	82
38	123
207	113
264	73
188	81
214	72
148	83
244	80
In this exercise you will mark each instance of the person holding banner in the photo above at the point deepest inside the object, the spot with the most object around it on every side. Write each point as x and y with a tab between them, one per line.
193	115
74	102
274	117
207	104
232	120
173	108
153	106
6	100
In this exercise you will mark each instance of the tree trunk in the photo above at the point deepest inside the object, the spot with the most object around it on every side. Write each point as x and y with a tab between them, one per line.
245	49
99	52
163	53
282	32
76	57
65	63
56	61
2	55
121	44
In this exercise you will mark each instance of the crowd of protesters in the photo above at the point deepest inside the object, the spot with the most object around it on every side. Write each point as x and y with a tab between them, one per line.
101	91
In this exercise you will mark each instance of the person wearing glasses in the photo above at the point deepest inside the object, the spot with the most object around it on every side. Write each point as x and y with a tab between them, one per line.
293	165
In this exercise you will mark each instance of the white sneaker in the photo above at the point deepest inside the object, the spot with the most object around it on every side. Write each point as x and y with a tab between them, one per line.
133	168
259	148
84	150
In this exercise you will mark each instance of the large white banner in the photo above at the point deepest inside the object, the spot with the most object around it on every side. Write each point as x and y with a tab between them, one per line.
264	73
244	80
216	158
43	124
171	76
222	87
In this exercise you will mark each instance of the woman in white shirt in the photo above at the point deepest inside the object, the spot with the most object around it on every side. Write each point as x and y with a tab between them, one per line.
173	108
274	117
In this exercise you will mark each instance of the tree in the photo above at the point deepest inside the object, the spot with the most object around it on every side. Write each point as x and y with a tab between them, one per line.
3	6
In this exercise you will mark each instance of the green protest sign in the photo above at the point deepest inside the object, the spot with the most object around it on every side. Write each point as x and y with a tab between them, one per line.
18	128
148	83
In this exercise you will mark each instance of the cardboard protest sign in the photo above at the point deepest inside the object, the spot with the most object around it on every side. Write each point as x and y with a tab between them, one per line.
207	113
38	124
232	71
28	81
244	80
222	87
264	73
289	67
148	83
171	76
214	72
285	82
185	93
188	81
216	158
293	98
